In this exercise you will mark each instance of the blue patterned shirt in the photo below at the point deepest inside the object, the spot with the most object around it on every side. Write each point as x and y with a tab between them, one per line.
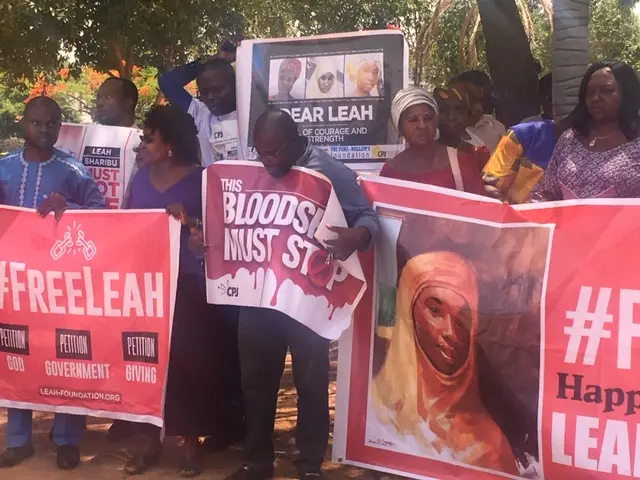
27	184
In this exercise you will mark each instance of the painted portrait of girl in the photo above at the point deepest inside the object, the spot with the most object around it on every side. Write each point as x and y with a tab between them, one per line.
425	398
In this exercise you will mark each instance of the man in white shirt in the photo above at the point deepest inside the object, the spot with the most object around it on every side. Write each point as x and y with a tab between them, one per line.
214	111
116	102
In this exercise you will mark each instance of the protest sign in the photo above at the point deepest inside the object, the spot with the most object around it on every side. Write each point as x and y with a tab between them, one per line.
495	341
85	315
106	151
266	238
338	88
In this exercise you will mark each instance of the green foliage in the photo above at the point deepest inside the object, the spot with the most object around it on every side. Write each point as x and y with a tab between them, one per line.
541	41
146	79
30	37
110	34
38	38
159	33
117	34
614	32
328	16
278	18
444	52
75	97
12	95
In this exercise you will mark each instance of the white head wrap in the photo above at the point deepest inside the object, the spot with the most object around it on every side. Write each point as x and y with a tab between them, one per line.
409	97
325	65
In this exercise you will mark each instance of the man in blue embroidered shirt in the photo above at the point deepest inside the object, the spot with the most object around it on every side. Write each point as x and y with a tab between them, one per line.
49	180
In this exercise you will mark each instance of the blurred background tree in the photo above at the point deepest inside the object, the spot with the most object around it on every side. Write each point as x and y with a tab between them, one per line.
68	48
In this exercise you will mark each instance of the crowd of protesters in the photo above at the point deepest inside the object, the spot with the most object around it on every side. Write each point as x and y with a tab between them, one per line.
226	363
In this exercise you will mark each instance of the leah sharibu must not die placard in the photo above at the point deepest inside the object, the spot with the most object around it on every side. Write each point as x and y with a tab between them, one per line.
107	152
266	245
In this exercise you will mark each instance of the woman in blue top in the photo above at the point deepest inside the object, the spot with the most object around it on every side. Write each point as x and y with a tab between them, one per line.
42	177
195	404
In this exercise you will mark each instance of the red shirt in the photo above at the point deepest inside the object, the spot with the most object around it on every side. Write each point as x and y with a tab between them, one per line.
471	177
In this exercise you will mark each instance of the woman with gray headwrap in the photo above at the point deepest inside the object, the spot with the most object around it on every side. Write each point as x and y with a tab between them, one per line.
415	114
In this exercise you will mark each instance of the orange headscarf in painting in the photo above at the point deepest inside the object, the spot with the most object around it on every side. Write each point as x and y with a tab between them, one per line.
443	412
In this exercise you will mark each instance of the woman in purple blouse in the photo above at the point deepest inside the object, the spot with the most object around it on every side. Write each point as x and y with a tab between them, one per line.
599	157
196	402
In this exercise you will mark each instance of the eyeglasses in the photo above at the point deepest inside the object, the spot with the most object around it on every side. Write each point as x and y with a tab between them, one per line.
274	155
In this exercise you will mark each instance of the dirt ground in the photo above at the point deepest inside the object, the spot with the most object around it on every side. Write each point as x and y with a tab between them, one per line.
102	460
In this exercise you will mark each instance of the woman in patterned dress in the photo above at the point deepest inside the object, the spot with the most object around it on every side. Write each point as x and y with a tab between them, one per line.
599	157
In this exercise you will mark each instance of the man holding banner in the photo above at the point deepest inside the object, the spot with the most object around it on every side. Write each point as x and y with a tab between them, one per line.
265	334
40	176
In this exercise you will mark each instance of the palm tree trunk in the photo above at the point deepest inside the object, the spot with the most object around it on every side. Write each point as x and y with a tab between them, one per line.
570	52
511	64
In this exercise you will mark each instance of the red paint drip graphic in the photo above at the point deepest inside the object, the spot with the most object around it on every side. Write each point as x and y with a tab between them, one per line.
320	268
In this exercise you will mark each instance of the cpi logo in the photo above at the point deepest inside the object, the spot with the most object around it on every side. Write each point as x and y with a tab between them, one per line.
228	290
377	152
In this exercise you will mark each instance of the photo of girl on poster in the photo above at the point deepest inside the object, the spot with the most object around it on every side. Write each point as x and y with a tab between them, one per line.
364	74
325	77
449	375
338	88
286	79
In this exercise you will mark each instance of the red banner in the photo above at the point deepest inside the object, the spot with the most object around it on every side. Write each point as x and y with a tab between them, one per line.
496	341
267	236
85	314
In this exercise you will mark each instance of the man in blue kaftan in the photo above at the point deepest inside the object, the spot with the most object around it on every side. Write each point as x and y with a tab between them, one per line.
41	177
